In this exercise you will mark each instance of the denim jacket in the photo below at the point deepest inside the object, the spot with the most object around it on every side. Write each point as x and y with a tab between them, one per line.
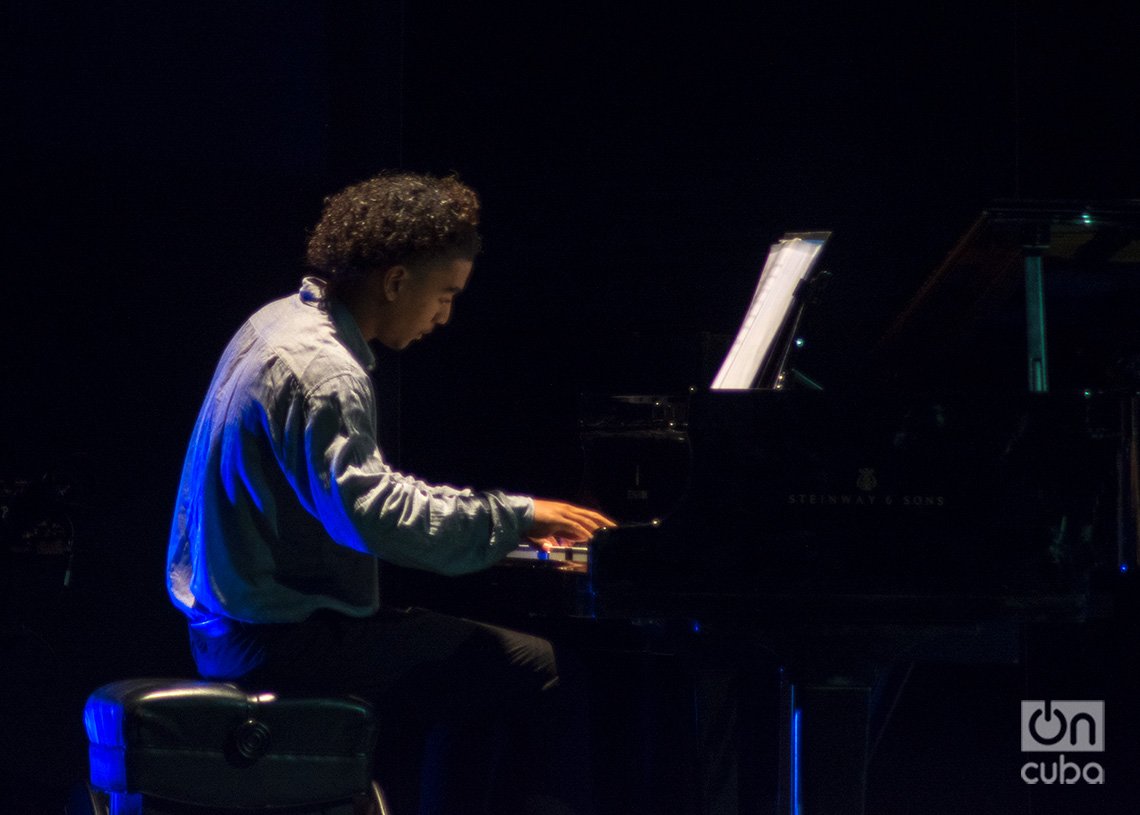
286	499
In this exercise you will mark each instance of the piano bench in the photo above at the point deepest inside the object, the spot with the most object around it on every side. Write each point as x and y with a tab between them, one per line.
189	747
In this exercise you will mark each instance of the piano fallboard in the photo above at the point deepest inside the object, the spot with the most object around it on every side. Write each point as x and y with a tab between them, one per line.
812	495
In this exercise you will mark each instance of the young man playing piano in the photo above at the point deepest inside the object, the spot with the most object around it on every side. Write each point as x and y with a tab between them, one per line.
286	501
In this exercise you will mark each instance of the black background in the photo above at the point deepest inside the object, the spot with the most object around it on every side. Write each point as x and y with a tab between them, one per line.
164	162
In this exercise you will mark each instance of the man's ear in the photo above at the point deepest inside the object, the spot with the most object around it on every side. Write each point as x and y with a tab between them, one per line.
394	280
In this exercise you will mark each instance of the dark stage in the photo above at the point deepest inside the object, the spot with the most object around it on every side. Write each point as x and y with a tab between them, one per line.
165	161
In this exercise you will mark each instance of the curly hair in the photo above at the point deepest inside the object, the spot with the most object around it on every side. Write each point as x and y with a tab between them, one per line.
392	219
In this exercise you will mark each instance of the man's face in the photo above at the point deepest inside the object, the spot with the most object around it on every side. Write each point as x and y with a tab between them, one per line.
421	300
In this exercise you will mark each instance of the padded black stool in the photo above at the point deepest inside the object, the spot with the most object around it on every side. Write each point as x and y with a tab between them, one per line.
187	747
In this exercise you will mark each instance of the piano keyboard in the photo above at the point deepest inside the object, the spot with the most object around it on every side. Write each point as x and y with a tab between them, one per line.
562	554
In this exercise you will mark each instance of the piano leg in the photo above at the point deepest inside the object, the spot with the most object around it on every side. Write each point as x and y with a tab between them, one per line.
829	732
826	738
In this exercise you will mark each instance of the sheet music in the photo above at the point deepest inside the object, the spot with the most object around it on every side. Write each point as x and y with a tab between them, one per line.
790	260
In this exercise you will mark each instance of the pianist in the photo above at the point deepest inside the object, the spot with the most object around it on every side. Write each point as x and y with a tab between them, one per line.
286	500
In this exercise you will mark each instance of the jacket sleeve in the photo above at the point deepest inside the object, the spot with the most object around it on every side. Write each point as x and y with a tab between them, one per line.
366	505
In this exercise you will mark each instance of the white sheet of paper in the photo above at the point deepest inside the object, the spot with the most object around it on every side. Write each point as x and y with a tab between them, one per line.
789	261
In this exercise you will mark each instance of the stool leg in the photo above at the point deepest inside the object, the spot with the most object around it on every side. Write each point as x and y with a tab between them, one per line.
126	803
374	803
86	800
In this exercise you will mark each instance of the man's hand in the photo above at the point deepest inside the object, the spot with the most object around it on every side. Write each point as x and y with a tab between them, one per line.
557	523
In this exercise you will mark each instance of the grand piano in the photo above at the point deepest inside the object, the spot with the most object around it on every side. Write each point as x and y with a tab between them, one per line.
982	477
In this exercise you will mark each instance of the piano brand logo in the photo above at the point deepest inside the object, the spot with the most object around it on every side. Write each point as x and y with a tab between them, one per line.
1062	726
866	482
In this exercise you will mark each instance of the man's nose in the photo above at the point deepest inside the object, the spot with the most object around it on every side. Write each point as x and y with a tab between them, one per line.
443	315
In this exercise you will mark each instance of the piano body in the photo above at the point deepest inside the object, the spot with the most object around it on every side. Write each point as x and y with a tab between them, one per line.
986	478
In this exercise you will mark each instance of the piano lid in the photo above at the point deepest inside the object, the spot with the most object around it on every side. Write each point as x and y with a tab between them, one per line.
968	324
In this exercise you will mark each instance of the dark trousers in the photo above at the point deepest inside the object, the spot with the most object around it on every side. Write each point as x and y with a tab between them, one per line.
472	717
